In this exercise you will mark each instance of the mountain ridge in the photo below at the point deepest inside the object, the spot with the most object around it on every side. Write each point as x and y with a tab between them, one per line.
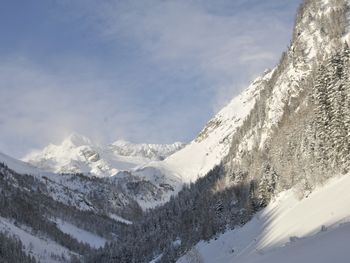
78	154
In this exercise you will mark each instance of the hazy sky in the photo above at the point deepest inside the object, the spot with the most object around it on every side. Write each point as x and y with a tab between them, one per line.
140	70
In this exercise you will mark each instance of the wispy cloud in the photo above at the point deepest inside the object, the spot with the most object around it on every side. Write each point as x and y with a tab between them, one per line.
152	70
229	42
39	106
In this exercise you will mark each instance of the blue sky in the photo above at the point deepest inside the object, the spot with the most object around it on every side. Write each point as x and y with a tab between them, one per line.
146	71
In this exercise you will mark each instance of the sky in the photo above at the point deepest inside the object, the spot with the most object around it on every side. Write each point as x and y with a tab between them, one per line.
152	71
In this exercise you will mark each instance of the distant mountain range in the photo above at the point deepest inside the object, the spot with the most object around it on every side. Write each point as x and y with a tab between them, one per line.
78	154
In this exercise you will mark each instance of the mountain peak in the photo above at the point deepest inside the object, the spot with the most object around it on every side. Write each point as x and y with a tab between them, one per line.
78	153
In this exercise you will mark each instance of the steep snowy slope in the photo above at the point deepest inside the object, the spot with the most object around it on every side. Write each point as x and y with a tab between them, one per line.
77	154
212	144
19	166
214	141
314	229
42	248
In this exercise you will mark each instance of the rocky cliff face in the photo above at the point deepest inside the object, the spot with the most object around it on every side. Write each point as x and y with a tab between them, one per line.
297	132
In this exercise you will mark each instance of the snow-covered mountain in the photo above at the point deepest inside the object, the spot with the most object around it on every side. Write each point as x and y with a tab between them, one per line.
288	132
212	145
58	217
78	154
248	123
245	127
288	147
269	172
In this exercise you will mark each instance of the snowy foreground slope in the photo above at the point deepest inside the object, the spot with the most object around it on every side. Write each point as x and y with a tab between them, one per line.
314	229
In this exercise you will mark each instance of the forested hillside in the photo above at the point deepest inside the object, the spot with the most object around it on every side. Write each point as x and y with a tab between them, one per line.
25	207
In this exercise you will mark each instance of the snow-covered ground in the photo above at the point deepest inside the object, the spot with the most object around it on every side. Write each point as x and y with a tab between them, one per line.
314	229
80	234
41	248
